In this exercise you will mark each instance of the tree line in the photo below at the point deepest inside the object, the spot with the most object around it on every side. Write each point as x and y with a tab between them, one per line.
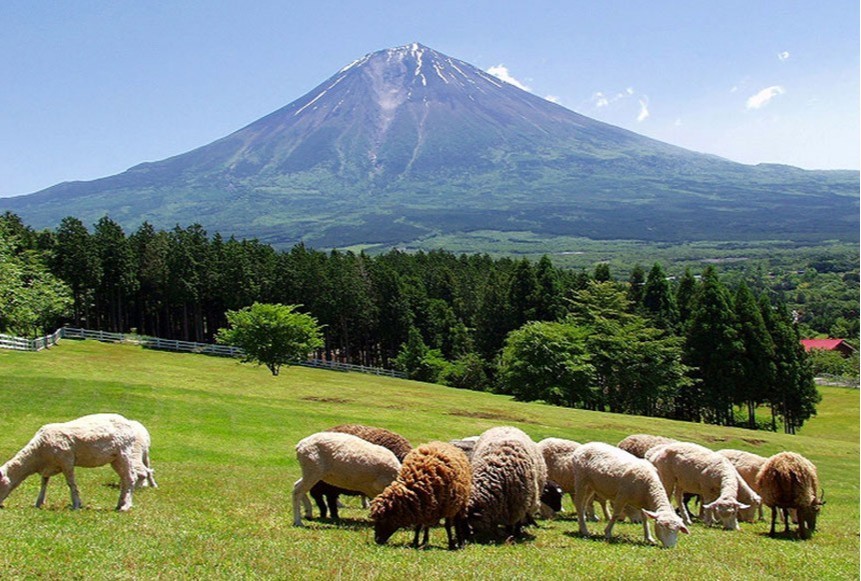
692	349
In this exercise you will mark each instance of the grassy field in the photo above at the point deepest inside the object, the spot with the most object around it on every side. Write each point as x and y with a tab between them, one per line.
223	437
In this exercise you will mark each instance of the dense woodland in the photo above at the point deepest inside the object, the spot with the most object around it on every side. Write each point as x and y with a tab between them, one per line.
700	347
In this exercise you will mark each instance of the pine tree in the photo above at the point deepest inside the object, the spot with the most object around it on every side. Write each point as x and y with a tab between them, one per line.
756	360
636	282
685	295
712	348
76	261
548	291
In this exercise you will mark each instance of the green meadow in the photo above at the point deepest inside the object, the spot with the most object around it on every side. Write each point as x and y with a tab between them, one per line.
223	437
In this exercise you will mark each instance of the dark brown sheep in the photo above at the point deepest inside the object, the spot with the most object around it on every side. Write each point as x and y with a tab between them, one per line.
434	483
788	480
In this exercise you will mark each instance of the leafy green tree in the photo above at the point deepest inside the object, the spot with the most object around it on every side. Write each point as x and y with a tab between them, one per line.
713	349
638	367
32	300
547	361
548	291
757	357
685	295
602	273
273	335
492	324
466	372
418	361
522	292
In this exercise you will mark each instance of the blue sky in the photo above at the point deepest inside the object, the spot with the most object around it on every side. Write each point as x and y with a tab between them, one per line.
92	88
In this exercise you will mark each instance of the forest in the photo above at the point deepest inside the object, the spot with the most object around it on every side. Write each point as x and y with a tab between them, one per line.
703	346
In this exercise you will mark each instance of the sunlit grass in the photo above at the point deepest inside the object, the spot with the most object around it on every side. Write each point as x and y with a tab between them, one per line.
223	436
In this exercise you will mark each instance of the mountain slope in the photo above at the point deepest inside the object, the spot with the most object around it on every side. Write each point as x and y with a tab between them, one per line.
407	141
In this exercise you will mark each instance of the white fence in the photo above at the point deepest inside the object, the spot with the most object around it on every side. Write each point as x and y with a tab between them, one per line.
21	344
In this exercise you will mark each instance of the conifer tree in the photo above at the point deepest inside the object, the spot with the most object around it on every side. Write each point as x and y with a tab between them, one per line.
659	303
756	360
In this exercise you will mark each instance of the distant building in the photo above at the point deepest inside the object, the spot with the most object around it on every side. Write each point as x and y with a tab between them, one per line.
838	345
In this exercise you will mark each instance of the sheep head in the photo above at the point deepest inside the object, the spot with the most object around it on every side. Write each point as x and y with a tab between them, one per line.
668	525
5	486
727	512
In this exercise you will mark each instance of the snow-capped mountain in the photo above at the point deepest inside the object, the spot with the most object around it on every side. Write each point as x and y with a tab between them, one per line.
408	141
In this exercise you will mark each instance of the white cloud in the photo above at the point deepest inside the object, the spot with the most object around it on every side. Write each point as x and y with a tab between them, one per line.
678	122
644	109
600	100
501	72
552	99
762	98
783	55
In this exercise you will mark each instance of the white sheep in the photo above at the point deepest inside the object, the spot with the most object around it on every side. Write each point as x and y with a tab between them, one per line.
639	444
748	466
343	460
142	446
88	442
628	482
686	467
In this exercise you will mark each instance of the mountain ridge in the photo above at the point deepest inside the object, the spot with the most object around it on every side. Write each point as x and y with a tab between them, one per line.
408	141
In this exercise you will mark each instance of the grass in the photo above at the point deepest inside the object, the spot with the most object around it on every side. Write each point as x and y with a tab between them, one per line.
223	437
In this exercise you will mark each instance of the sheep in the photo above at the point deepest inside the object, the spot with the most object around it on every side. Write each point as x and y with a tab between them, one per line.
88	442
434	483
788	480
467	445
627	481
748	466
342	460
324	493
639	444
557	456
142	445
508	474
685	467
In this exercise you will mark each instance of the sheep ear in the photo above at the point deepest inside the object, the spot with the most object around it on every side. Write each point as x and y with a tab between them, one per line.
742	506
709	505
684	529
650	514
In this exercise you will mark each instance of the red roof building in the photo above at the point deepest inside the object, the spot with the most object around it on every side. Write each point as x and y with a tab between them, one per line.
840	345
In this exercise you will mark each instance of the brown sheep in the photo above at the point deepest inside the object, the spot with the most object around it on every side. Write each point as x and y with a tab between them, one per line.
434	483
789	480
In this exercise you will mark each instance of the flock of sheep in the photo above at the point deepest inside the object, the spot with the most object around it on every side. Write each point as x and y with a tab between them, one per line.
479	486
501	480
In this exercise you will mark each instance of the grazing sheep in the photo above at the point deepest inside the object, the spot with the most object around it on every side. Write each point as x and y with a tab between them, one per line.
627	481
685	467
467	445
508	474
639	444
142	445
325	494
88	442
342	460
551	499
789	480
434	483
557	456
748	466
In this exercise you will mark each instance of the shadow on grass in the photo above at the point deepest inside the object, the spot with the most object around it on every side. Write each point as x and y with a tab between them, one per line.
783	536
614	540
344	523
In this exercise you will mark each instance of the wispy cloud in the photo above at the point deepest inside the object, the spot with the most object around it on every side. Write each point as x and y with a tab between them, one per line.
644	109
783	55
762	98
599	99
552	99
500	71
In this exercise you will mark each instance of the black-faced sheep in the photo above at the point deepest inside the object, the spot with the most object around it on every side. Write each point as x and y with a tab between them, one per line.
342	460
685	467
325	494
434	483
88	442
789	480
627	481
508	475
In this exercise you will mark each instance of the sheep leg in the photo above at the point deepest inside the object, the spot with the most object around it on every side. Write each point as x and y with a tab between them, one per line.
452	543
40	500
69	473
332	500
365	502
686	517
773	520
416	537
647	533
300	489
580	497
786	520
125	468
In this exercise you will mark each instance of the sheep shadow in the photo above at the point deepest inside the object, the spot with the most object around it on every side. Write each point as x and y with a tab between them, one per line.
349	523
791	536
614	540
